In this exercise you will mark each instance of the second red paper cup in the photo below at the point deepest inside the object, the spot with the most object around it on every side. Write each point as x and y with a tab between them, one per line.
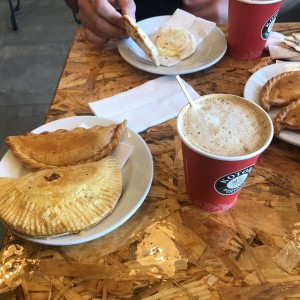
249	25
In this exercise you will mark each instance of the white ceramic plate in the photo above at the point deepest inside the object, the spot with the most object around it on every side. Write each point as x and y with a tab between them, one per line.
137	178
209	52
258	80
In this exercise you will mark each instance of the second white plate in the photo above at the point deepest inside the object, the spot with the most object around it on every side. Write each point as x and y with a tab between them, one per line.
209	52
258	80
137	178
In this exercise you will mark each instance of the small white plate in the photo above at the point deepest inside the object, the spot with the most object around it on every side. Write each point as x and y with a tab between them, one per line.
254	85
137	178
209	52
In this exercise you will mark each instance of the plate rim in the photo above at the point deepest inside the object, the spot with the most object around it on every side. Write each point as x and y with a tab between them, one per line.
66	240
123	45
286	136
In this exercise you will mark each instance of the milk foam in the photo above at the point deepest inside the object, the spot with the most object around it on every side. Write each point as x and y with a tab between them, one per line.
224	125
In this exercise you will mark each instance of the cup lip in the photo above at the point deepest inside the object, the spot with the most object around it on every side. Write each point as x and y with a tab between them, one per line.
222	157
260	2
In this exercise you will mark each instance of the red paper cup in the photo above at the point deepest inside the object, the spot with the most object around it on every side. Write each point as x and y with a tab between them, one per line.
249	25
214	181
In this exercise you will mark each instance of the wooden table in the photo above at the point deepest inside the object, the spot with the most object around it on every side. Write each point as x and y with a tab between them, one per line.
170	249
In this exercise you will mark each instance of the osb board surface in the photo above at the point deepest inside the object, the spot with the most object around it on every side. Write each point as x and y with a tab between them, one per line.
170	249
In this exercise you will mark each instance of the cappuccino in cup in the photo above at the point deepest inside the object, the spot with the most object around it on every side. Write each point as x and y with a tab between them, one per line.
224	125
222	137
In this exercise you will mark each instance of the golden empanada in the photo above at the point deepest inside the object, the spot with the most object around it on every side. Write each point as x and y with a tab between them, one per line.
280	90
60	201
65	147
288	117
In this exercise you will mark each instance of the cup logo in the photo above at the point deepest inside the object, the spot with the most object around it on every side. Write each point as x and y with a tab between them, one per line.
266	30
232	182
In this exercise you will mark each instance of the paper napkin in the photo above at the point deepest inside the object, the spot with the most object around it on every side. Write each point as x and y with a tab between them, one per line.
278	50
199	27
149	104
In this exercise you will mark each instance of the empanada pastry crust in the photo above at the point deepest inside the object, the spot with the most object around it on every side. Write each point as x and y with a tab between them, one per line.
60	201
281	90
65	147
288	117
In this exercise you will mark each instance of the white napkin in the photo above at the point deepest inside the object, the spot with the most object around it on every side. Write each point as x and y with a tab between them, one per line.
149	104
122	153
198	27
277	50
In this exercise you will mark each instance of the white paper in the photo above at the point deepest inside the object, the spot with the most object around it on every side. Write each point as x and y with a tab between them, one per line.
277	51
149	104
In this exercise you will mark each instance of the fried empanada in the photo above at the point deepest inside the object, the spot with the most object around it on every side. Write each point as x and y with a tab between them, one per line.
60	201
280	90
288	117
65	147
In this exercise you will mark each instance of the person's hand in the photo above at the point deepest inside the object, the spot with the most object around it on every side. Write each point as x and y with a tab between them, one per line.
213	10
102	21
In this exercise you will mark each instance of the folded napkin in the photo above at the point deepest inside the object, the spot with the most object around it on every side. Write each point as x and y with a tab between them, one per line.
149	104
277	49
198	27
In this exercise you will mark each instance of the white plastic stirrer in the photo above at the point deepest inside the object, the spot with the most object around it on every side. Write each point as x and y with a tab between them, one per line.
185	91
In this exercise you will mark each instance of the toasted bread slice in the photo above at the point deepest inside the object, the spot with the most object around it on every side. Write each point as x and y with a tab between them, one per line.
141	39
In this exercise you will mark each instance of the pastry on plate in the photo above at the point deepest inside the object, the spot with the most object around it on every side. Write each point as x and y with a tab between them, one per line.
65	147
60	201
288	117
292	42
280	90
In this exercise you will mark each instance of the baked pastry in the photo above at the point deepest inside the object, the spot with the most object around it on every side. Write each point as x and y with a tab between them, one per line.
65	147
60	201
292	42
141	39
288	117
281	90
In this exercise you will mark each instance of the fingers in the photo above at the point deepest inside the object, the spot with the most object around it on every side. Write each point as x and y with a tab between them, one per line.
101	18
128	7
106	11
99	41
